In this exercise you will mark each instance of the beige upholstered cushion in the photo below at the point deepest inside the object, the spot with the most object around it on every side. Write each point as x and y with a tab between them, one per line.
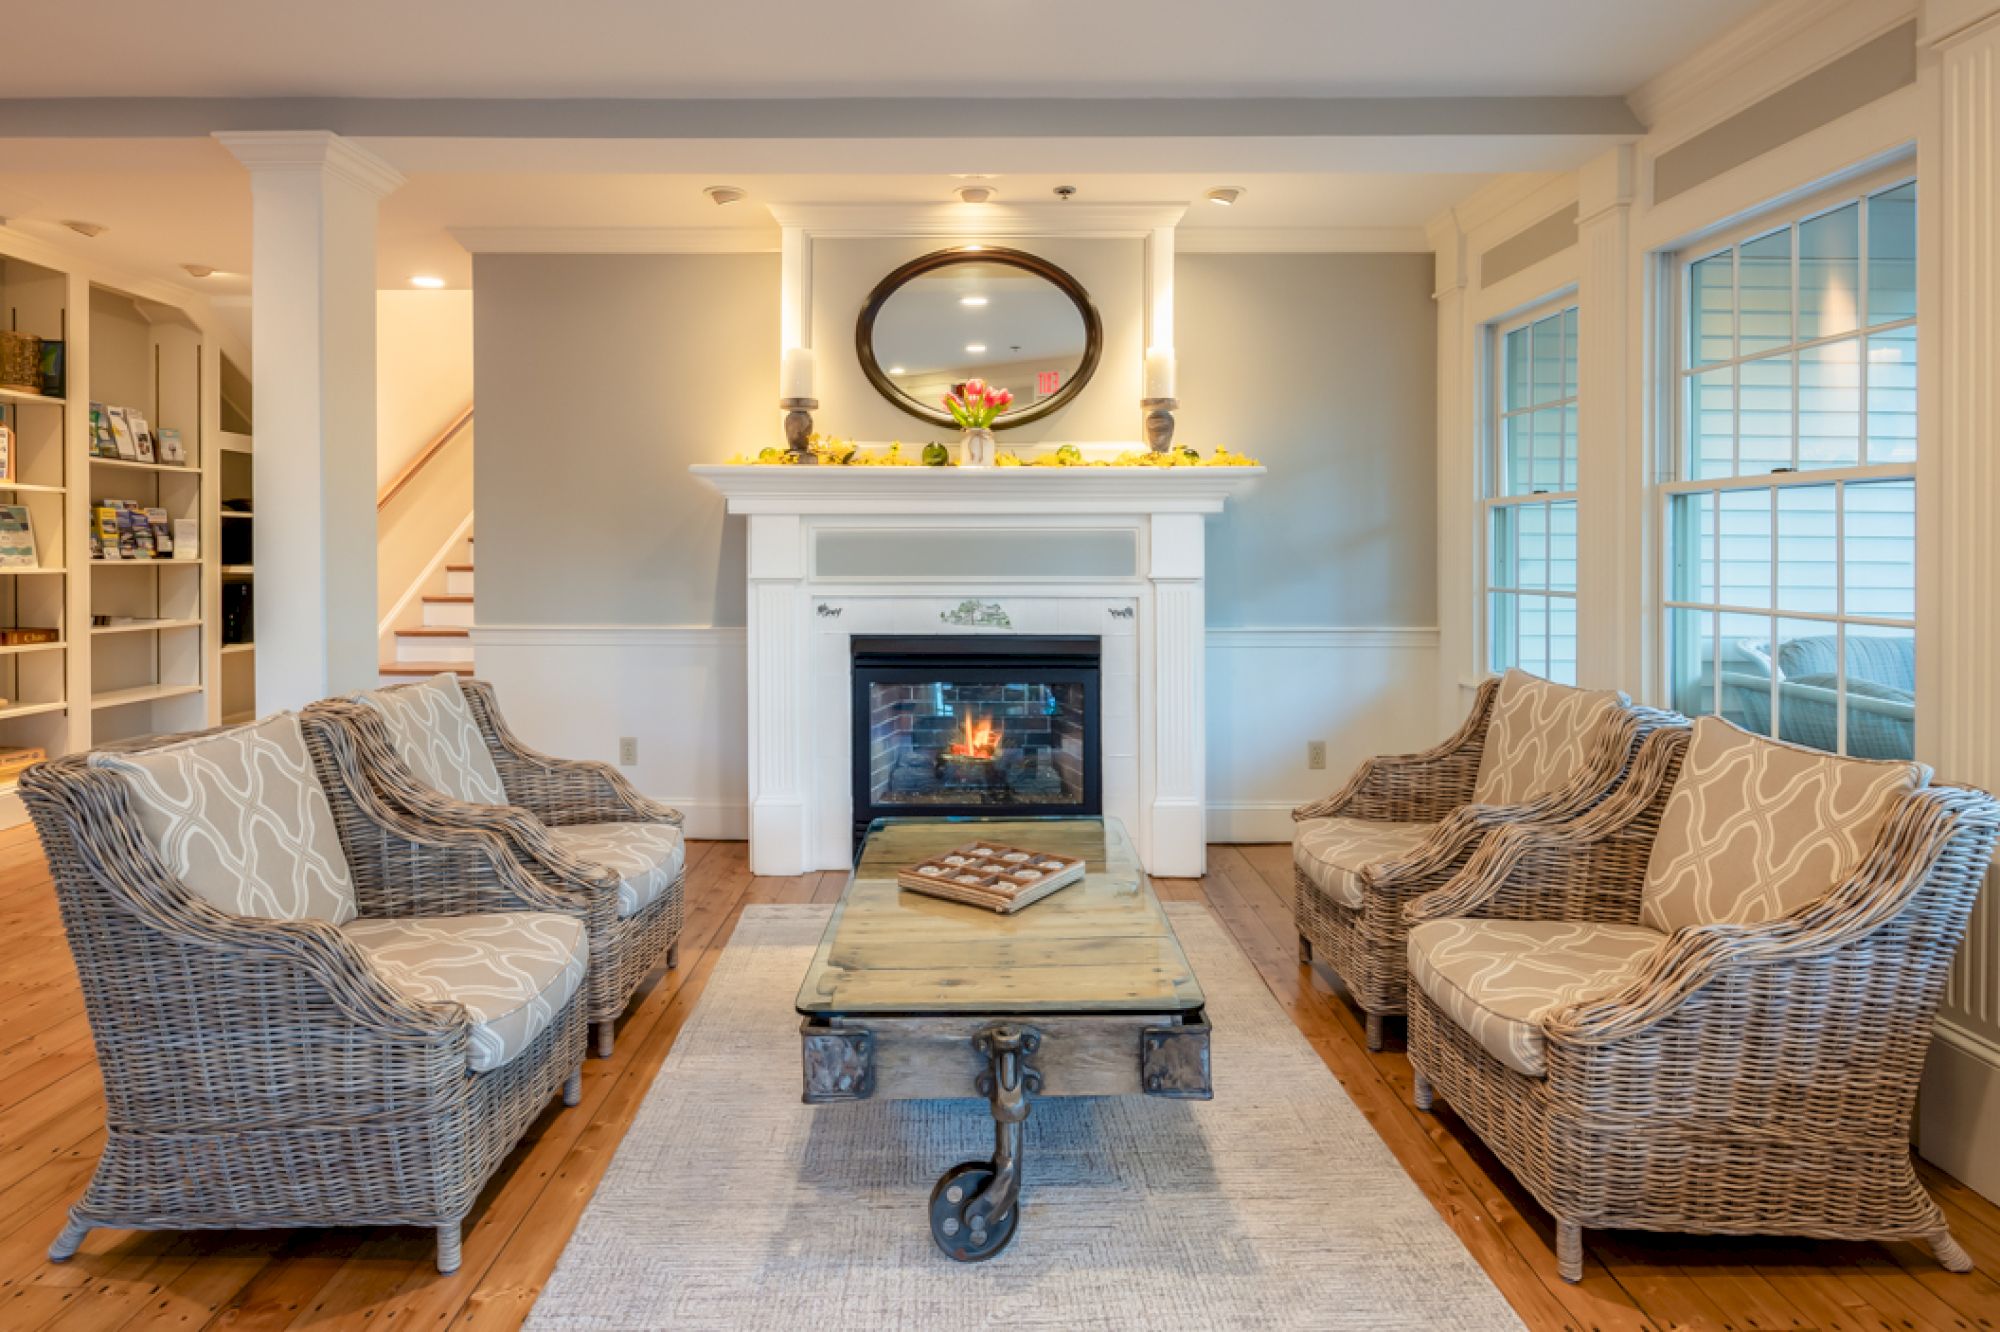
1539	737
1497	979
1333	852
647	857
433	732
1756	829
513	971
241	820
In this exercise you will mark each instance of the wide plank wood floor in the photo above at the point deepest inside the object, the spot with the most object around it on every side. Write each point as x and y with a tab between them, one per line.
51	1125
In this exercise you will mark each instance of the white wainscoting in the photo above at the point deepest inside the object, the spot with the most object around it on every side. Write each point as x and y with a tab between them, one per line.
680	691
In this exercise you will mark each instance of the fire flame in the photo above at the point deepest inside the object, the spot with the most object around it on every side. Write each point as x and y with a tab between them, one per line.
981	739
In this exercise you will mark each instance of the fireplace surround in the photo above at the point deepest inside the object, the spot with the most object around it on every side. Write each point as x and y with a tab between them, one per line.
979	725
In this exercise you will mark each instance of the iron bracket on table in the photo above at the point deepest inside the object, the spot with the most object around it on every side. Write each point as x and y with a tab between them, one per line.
1173	1061
839	1063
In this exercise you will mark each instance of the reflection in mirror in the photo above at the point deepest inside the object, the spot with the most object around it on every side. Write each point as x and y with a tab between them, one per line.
1010	319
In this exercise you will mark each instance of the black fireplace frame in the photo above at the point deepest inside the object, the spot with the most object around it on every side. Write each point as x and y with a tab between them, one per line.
974	659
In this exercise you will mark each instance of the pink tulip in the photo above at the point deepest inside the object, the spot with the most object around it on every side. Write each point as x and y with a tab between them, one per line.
974	387
1006	396
951	401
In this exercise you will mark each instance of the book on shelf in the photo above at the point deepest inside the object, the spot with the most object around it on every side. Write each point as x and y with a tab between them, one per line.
22	635
142	434
163	533
53	370
187	539
17	538
104	531
171	448
121	434
8	464
103	444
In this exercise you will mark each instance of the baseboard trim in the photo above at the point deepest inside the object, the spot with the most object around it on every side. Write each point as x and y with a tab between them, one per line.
1253	821
713	820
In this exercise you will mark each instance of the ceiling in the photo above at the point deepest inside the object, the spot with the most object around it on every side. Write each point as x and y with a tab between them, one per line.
795	48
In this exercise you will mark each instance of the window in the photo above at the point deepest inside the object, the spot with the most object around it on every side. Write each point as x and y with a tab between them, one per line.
1530	514
1791	581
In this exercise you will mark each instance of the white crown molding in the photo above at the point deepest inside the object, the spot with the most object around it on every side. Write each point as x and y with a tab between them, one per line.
1302	240
21	244
1939	22
978	221
1776	45
616	240
1480	208
311	150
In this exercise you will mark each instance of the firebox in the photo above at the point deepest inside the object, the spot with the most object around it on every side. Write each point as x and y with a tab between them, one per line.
975	725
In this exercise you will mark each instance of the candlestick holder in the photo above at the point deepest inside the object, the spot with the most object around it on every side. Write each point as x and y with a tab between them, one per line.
798	427
1159	422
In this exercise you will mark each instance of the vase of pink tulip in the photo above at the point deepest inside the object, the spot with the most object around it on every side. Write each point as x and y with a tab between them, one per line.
974	406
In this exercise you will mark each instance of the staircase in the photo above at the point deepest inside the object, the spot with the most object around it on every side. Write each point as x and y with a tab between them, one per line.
443	641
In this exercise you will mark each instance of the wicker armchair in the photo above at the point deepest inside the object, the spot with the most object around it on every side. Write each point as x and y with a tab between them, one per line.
296	1028
439	751
1702	1011
1405	824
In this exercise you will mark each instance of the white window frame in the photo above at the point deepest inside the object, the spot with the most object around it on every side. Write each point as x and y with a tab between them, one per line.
1493	465
1675	371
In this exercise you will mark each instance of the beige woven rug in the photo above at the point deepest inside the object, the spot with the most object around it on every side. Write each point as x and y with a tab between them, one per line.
732	1205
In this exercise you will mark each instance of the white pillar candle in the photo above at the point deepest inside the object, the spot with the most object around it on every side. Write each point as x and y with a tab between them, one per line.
795	373
1159	372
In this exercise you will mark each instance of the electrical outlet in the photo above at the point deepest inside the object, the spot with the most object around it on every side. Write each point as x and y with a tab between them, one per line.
1315	754
628	751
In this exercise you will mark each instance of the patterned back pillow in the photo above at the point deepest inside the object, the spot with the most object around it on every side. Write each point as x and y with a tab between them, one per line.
241	819
433	732
1539	737
1756	829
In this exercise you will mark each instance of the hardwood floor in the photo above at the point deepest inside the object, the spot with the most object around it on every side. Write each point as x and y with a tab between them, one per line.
51	1127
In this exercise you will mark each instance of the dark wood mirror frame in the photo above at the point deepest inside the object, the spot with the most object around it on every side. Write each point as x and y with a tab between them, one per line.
864	330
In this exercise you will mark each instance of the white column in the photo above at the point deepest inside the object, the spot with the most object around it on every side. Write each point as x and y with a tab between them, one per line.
779	662
1958	540
1610	490
1176	827
1461	657
314	199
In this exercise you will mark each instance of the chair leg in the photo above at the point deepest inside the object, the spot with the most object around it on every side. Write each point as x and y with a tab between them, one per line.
1569	1251
573	1086
607	1033
1374	1031
449	1255
1949	1255
73	1232
1305	951
1423	1093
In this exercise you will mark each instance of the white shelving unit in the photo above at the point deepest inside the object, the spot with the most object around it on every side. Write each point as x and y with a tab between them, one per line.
236	464
140	344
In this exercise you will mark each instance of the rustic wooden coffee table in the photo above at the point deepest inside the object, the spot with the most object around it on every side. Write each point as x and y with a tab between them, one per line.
1086	993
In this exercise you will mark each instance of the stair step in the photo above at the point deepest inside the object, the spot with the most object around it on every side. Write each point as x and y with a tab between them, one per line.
426	667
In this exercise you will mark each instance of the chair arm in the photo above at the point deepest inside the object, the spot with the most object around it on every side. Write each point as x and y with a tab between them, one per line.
1414	788
415	851
1941	837
559	791
1589	866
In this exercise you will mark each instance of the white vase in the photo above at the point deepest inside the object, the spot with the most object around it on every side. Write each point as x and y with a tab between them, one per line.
975	448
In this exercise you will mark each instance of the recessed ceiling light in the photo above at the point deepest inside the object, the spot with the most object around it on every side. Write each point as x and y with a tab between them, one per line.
428	281
1224	195
897	370
975	194
975	347
723	194
92	229
198	270
972	300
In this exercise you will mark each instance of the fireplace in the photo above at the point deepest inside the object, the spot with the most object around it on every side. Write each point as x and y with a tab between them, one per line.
963	724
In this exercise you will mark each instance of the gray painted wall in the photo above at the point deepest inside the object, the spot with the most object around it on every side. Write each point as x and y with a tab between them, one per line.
600	378
1323	367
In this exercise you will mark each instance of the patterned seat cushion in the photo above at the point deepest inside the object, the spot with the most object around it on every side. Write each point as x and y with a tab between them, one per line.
1497	979
513	971
1539	737
647	857
241	820
1756	829
433	732
1333	852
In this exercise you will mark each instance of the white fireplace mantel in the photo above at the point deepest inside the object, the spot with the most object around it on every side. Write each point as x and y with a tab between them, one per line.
809	592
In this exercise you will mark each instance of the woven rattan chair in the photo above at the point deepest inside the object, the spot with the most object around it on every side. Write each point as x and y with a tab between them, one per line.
298	1028
1404	824
1706	1004
440	751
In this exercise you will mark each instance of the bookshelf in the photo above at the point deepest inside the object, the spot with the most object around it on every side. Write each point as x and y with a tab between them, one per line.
236	464
139	344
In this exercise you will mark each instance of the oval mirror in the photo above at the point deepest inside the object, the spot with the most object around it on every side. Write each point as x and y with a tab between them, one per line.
1009	318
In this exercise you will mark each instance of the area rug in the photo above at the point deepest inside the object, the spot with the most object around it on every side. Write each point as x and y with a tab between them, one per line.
732	1205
